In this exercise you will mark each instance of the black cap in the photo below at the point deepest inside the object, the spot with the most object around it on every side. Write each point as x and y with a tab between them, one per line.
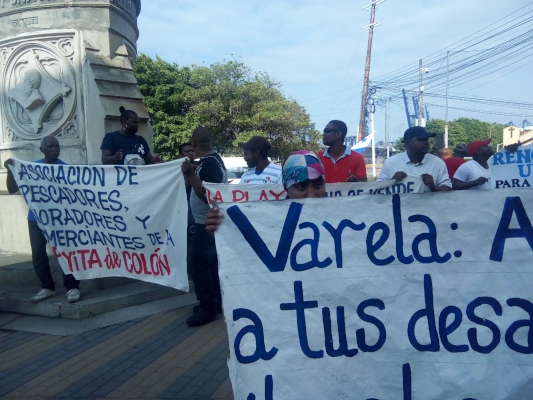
417	132
257	143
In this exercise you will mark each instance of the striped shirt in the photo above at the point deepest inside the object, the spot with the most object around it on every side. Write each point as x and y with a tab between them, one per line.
271	174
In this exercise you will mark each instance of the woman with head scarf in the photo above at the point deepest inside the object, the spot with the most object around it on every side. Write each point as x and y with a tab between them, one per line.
303	177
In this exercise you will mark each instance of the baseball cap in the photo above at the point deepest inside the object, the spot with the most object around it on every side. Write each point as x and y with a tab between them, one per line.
417	132
257	143
474	146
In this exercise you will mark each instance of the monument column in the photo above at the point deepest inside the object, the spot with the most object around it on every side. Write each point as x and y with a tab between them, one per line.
66	66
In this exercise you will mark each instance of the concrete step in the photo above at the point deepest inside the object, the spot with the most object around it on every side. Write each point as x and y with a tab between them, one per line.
17	269
19	283
16	299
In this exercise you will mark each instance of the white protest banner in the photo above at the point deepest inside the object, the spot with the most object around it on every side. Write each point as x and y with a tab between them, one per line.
512	169
221	193
111	220
425	296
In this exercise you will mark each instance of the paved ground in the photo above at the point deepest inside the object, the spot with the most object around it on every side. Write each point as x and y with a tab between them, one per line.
151	357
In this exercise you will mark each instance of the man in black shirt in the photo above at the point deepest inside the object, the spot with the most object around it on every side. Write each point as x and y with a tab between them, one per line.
204	262
124	146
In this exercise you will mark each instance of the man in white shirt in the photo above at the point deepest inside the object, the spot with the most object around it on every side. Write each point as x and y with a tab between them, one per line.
475	174
256	156
416	161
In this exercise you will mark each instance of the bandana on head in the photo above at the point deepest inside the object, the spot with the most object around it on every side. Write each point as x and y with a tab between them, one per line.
301	166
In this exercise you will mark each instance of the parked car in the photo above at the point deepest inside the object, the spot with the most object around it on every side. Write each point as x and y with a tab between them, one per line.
235	167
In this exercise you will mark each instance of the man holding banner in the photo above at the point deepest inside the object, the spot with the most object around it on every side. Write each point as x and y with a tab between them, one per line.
41	263
416	161
475	174
204	262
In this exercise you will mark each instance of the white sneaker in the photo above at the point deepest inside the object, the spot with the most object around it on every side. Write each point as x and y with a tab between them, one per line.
73	295
43	294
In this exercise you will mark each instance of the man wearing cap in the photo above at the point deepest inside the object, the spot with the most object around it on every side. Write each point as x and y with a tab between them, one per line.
256	156
456	160
416	161
341	163
475	174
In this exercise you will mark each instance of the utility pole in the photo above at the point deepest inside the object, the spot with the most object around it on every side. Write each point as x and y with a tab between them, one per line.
421	119
373	139
387	123
386	130
364	97
447	81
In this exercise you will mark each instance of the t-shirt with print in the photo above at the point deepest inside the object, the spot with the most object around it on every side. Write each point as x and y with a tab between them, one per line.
210	168
130	144
270	175
470	171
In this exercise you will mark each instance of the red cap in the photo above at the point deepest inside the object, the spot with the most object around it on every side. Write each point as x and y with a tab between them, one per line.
474	146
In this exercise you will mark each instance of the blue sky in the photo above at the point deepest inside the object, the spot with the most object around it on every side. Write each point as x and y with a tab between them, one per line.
317	49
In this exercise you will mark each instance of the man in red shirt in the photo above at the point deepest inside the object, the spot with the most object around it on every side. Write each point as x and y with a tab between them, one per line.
456	160
340	163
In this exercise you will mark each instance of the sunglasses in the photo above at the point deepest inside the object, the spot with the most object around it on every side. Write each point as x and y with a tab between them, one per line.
328	130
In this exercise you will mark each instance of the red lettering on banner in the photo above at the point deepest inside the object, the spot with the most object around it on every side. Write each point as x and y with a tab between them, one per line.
125	256
94	259
54	249
83	258
154	264
137	264
71	256
111	260
145	266
164	264
240	195
263	195
72	259
277	195
218	197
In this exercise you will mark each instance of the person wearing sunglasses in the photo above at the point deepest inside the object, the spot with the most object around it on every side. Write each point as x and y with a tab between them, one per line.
341	163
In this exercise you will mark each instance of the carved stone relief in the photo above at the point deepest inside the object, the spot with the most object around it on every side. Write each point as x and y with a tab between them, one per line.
39	96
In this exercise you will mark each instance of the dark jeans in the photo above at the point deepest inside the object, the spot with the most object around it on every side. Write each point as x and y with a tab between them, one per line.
204	269
41	264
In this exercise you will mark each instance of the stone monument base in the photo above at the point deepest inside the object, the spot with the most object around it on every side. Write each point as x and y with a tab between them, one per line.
13	222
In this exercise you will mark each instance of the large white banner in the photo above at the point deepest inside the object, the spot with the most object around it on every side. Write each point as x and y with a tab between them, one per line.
221	193
512	169
111	220
423	296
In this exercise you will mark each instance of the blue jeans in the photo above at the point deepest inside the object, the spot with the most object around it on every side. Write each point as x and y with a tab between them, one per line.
41	263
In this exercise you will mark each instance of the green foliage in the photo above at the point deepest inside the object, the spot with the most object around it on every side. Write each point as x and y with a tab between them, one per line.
230	99
467	130
462	130
165	89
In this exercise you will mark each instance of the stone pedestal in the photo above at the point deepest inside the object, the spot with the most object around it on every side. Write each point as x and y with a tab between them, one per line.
65	69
